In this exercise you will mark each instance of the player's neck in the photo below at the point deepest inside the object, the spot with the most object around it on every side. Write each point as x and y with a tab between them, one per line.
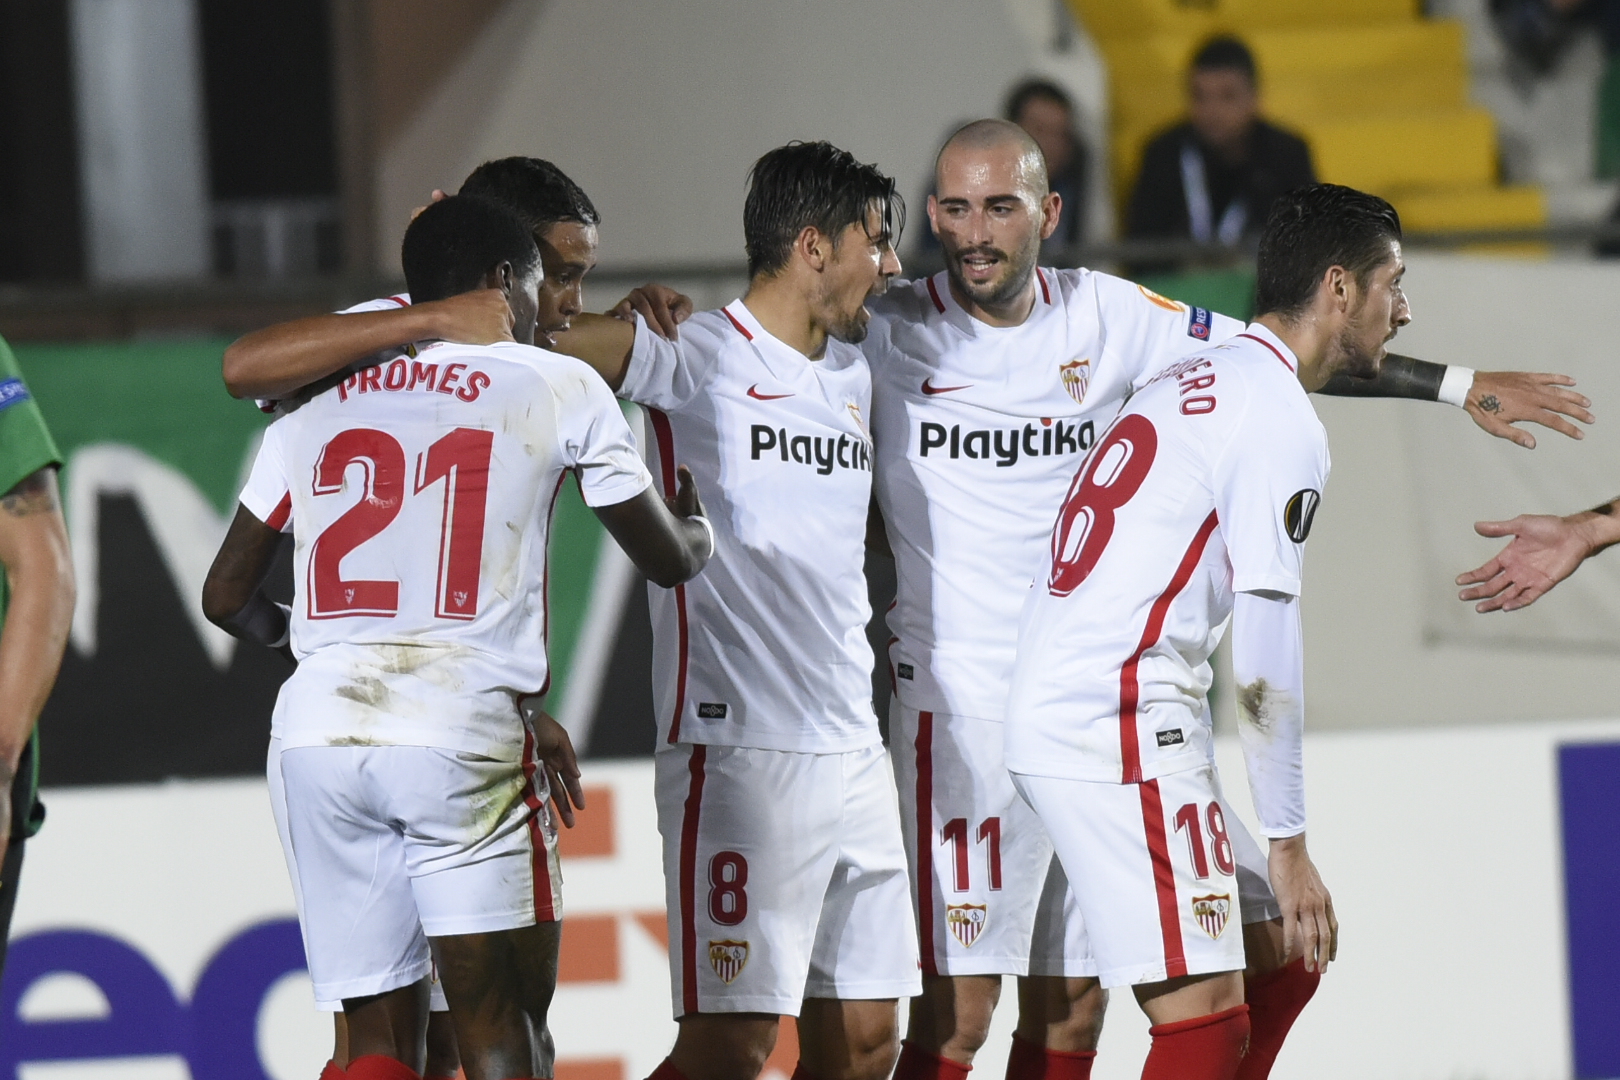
786	314
1014	312
1309	340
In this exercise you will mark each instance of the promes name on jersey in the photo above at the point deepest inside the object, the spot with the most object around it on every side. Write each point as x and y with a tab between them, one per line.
401	374
1005	445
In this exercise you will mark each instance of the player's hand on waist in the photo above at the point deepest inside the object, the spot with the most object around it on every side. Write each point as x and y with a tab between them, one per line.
556	753
1310	929
480	317
662	307
1500	399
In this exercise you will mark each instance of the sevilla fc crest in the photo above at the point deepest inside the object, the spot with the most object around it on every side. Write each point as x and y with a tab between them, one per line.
1212	912
967	921
728	958
1076	376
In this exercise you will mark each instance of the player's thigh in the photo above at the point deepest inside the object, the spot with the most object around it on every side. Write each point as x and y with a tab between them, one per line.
480	845
749	842
977	854
866	941
1059	944
361	929
1152	870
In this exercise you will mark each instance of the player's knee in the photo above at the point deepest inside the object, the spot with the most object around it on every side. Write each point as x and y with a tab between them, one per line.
1082	1026
951	1018
721	1047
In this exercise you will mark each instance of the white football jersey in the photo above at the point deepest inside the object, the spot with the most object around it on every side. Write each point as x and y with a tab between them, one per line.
978	432
419	495
1204	486
767	647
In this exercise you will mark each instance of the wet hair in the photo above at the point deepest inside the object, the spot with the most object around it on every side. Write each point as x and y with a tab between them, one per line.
538	192
1311	229
811	184
1226	53
456	241
1035	89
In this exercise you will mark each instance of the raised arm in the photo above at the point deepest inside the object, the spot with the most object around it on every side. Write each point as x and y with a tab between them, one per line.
669	543
1495	399
279	359
233	596
602	341
1544	551
39	572
1268	666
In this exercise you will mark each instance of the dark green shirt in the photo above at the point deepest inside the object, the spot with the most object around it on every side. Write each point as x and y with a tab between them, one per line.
25	448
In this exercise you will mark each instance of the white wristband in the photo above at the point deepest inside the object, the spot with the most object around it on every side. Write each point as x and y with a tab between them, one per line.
708	528
286	633
1455	384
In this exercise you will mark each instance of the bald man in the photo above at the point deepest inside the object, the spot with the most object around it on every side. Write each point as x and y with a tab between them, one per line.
991	380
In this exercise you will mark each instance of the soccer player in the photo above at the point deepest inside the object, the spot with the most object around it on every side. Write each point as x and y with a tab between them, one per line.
783	860
1193	508
36	603
275	362
1545	550
418	493
990	380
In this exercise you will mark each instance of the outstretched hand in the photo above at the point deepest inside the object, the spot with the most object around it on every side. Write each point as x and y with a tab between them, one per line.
1500	399
556	753
1310	929
1544	551
662	307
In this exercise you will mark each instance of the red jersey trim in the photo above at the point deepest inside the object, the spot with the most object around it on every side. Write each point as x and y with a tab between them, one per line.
278	517
688	872
934	293
1046	294
741	329
666	466
925	841
400	300
1164	880
1273	349
1130	690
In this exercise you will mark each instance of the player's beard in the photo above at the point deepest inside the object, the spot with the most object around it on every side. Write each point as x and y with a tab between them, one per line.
1355	359
1003	291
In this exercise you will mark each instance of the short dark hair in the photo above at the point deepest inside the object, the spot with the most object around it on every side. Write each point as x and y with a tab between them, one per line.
811	184
1034	89
1226	53
456	241
538	192
1311	229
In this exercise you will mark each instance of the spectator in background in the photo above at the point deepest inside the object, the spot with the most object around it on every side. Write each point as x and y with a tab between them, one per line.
1044	109
1212	177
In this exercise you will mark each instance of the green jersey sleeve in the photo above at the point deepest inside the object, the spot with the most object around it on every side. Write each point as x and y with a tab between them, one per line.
25	444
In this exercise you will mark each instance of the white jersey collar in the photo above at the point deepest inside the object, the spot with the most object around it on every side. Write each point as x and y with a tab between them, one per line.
1259	332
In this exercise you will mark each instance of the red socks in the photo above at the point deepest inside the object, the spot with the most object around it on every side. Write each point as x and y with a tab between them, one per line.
918	1064
1203	1048
1275	1001
332	1072
1030	1062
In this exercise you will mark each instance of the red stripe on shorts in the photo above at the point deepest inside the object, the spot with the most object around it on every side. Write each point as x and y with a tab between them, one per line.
666	461
689	839
1164	880
925	841
1130	751
545	902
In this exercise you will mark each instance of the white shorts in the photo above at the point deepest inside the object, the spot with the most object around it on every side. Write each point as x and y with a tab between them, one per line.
785	878
278	810
990	896
392	845
1154	868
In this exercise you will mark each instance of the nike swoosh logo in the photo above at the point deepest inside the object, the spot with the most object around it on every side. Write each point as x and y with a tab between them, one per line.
753	392
931	390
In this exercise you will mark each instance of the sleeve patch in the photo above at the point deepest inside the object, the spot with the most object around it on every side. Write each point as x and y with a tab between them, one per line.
1300	512
13	392
1199	323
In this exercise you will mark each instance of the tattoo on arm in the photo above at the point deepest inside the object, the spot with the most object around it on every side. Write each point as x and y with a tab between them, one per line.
1488	403
34	494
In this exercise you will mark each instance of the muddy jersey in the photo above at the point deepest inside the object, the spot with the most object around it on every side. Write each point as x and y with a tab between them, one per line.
1203	487
979	430
767	647
419	495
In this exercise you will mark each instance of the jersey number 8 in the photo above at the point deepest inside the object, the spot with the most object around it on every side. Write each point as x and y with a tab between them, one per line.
461	460
1111	474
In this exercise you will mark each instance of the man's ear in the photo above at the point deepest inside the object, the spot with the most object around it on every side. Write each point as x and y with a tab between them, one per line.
1051	212
501	277
814	247
1340	286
